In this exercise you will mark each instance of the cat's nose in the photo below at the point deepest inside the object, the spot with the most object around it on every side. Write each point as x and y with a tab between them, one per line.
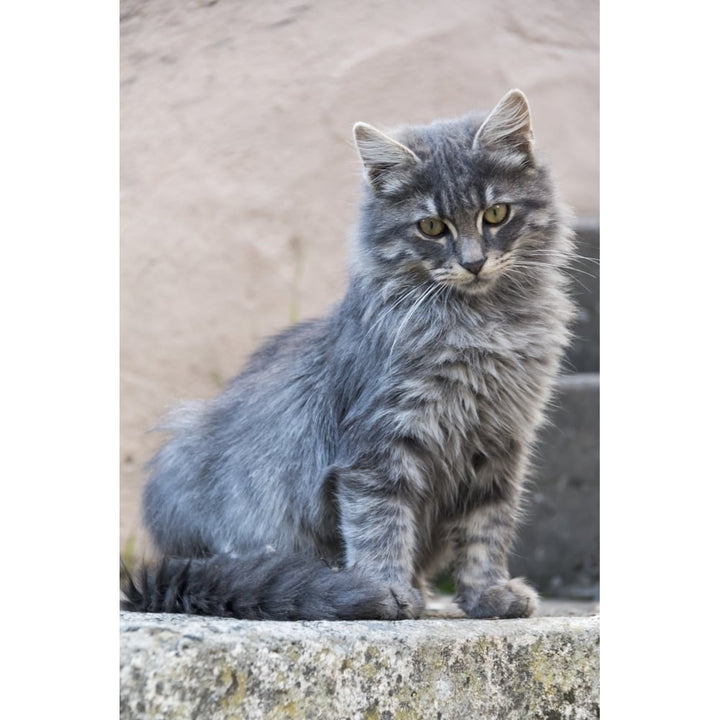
474	267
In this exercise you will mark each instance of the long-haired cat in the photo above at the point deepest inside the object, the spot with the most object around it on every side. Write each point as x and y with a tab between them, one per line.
358	454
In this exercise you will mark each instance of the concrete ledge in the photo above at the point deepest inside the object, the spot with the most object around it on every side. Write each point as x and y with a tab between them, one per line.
176	666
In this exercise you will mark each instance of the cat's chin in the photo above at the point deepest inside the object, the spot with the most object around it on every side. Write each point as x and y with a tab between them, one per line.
476	286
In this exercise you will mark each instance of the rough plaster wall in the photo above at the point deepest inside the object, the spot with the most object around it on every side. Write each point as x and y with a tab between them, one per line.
238	175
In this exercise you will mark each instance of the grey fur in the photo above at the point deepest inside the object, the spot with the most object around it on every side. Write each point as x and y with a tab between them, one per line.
392	437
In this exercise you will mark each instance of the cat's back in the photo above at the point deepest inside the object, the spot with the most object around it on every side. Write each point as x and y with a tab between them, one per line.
251	451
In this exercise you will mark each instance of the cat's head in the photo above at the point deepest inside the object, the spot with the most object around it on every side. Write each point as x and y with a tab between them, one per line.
461	202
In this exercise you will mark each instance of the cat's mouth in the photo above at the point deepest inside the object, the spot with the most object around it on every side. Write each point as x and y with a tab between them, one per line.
476	284
468	282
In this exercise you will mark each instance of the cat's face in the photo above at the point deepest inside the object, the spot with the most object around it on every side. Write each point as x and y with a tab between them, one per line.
462	203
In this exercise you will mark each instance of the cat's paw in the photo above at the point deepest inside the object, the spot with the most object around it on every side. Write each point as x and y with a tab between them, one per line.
509	599
401	603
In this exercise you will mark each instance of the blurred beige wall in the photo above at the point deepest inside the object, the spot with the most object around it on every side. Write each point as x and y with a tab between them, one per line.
239	178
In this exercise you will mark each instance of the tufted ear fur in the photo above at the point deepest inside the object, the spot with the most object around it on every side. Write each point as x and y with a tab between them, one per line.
508	125
388	163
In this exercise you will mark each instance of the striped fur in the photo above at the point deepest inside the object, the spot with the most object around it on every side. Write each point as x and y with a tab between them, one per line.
390	438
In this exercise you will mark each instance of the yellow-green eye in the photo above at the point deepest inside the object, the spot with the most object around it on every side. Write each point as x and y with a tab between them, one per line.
432	226
496	214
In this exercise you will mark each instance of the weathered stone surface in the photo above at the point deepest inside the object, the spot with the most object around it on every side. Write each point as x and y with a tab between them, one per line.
174	666
558	546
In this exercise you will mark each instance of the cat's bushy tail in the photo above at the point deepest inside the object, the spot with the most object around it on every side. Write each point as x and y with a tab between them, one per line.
263	586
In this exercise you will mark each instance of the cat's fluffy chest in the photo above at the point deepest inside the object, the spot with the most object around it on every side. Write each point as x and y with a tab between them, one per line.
474	390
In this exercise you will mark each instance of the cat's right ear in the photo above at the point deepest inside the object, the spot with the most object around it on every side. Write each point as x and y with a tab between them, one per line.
388	164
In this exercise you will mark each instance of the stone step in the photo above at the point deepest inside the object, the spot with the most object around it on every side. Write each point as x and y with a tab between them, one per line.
558	546
177	666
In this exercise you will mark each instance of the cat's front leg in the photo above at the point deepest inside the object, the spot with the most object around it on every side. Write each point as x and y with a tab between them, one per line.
484	586
378	529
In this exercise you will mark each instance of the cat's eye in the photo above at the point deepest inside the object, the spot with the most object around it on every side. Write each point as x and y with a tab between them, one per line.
496	214
432	226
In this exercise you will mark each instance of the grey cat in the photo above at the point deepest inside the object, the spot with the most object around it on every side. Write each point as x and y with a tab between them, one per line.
360	453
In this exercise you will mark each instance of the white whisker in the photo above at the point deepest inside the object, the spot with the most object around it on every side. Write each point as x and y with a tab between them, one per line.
388	311
432	290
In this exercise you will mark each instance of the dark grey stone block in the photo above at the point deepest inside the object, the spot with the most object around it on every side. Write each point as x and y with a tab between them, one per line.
584	354
558	545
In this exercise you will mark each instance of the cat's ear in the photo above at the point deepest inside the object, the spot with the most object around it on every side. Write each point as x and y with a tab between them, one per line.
388	164
508	125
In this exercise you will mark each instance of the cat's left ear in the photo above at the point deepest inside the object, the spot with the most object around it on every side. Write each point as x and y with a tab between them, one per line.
508	126
388	164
